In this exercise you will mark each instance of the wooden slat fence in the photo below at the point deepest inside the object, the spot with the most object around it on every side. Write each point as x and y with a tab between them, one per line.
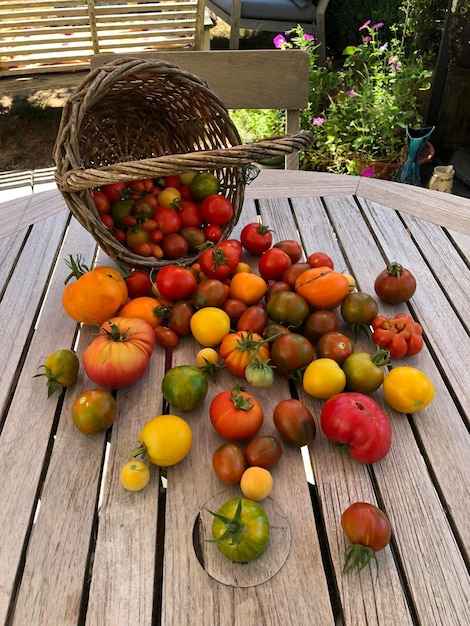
60	35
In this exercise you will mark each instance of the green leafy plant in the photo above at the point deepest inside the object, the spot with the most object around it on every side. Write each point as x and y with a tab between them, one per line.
359	111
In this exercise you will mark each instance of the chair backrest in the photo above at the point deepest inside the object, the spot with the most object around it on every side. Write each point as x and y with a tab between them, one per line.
245	79
263	15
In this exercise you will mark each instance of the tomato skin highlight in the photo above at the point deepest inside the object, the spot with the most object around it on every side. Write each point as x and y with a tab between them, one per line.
356	420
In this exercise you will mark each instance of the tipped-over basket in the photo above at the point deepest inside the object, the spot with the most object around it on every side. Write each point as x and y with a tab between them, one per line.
133	119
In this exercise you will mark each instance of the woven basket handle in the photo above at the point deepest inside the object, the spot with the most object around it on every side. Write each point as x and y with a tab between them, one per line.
79	179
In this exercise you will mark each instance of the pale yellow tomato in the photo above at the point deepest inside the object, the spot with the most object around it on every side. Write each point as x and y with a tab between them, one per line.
206	356
407	389
323	378
187	177
135	475
256	483
243	267
209	326
168	195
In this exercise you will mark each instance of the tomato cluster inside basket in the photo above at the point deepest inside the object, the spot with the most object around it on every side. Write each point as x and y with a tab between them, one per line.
137	119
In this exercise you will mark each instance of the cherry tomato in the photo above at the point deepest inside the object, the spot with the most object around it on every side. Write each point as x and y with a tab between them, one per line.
180	318
101	201
256	238
319	323
292	248
336	346
291	352
320	259
194	236
142	186
218	262
273	263
213	232
134	475
94	411
107	220
263	451
369	531
294	422
256	483
234	309
189	213
166	337
395	284
254	319
168	219
167	196
114	191
204	184
174	246
228	462
210	292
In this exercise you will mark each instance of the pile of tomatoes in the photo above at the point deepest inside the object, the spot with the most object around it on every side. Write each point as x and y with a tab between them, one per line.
167	217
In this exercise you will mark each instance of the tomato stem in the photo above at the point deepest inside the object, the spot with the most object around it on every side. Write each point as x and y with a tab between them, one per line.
77	267
234	527
357	557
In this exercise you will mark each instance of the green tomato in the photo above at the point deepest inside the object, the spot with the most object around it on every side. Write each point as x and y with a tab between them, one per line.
204	184
364	371
61	370
259	374
241	530
184	387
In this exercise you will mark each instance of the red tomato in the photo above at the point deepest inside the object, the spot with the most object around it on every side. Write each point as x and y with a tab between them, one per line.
216	209
145	207
320	259
101	201
179	320
172	181
138	284
395	284
168	219
107	220
234	309
136	236
218	261
189	213
319	323
354	419
291	274
119	234
256	238
254	319
229	464
292	248
141	187
264	451
336	346
291	352
275	288
210	292
120	354
114	191
236	415
368	529
166	337
273	263
213	232
294	422
175	282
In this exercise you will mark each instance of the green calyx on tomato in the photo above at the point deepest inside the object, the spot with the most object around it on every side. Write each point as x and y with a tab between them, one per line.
240	401
259	373
241	530
61	370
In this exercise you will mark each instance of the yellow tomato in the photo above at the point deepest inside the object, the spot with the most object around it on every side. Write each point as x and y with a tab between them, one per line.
256	483
407	389
242	267
351	282
186	177
61	370
247	287
168	195
209	326
134	475
206	356
167	439
323	378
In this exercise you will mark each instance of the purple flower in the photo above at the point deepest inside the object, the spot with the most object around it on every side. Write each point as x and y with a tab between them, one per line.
351	93
318	121
367	38
279	41
368	173
378	25
365	25
309	37
394	63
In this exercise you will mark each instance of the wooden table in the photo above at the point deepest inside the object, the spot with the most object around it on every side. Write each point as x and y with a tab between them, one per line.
78	549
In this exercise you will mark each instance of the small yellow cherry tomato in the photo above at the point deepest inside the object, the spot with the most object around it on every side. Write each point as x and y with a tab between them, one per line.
187	177
323	378
135	475
206	356
209	326
167	439
407	389
256	483
243	267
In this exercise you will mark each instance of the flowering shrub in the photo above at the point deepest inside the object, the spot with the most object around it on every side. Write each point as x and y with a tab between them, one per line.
359	112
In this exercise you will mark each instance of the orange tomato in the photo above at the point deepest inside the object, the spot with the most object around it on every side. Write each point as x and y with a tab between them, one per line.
322	287
239	349
247	287
145	308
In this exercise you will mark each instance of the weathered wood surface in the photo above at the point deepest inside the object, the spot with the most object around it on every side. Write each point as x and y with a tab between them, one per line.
92	553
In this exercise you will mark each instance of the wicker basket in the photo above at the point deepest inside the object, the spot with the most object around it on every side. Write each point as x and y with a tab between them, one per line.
135	119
